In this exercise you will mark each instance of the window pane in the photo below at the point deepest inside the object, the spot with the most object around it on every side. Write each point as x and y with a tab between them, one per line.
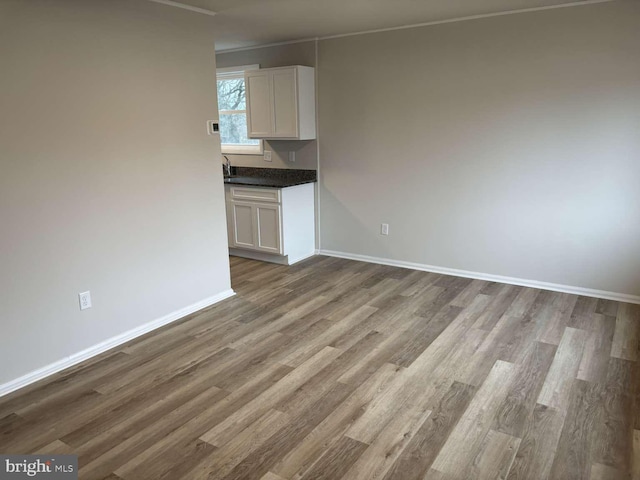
231	94
233	130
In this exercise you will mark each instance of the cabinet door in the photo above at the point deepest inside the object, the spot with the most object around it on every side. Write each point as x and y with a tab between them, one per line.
285	103
243	233
258	104
268	228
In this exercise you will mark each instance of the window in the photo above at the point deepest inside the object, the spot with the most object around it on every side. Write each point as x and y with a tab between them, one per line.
232	108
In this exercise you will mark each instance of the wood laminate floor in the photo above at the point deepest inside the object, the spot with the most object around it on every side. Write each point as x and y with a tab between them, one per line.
334	369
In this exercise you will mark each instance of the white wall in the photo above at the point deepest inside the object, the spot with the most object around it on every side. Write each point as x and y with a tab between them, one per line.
108	181
306	151
508	145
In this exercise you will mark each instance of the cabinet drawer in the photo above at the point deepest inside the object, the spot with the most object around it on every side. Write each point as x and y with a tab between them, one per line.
271	195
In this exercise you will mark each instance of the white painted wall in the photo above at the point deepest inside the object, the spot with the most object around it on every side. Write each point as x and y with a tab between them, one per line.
506	146
108	181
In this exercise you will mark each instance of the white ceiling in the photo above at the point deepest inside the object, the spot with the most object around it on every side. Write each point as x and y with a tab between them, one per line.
243	23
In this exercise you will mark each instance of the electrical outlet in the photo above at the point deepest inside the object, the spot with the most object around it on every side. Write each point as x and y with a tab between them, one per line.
384	229
292	157
85	300
267	155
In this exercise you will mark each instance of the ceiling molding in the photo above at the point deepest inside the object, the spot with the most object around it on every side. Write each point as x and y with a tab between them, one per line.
185	7
267	45
418	25
472	17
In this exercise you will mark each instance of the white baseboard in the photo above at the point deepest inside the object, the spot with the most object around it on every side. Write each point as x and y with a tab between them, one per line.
587	292
102	347
260	256
270	257
300	258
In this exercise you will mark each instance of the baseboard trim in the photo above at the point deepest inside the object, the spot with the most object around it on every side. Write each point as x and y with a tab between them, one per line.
260	256
555	287
112	342
270	257
301	257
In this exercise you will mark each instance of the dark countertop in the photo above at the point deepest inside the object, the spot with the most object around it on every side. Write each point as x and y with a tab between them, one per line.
270	177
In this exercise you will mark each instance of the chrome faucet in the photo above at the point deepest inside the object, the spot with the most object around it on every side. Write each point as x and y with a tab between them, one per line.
227	166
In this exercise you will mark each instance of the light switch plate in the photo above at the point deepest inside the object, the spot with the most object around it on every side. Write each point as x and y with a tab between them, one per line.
213	127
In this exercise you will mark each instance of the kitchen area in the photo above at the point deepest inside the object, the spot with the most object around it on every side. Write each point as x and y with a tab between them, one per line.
266	113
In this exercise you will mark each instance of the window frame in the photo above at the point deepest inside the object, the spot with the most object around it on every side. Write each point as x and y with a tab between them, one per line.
229	73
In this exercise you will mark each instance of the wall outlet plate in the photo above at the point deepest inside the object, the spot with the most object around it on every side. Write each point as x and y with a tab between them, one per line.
85	300
267	155
384	229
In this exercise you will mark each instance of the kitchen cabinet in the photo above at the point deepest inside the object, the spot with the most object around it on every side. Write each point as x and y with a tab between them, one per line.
256	226
281	103
271	224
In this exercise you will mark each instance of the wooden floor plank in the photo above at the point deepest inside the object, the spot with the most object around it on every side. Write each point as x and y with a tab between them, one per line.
188	421
636	455
495	458
271	476
337	369
614	432
221	461
607	307
500	303
416	459
337	460
466	438
556	389
381	353
537	449
376	460
121	453
574	455
232	425
174	461
595	358
329	337
310	448
466	296
555	324
285	439
604	472
57	447
179	461
424	336
517	407
627	332
523	302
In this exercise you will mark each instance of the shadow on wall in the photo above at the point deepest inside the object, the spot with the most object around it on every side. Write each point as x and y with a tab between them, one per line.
373	243
305	155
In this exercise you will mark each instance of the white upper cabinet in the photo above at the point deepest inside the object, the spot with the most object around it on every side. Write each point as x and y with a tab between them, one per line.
281	103
258	104
285	104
